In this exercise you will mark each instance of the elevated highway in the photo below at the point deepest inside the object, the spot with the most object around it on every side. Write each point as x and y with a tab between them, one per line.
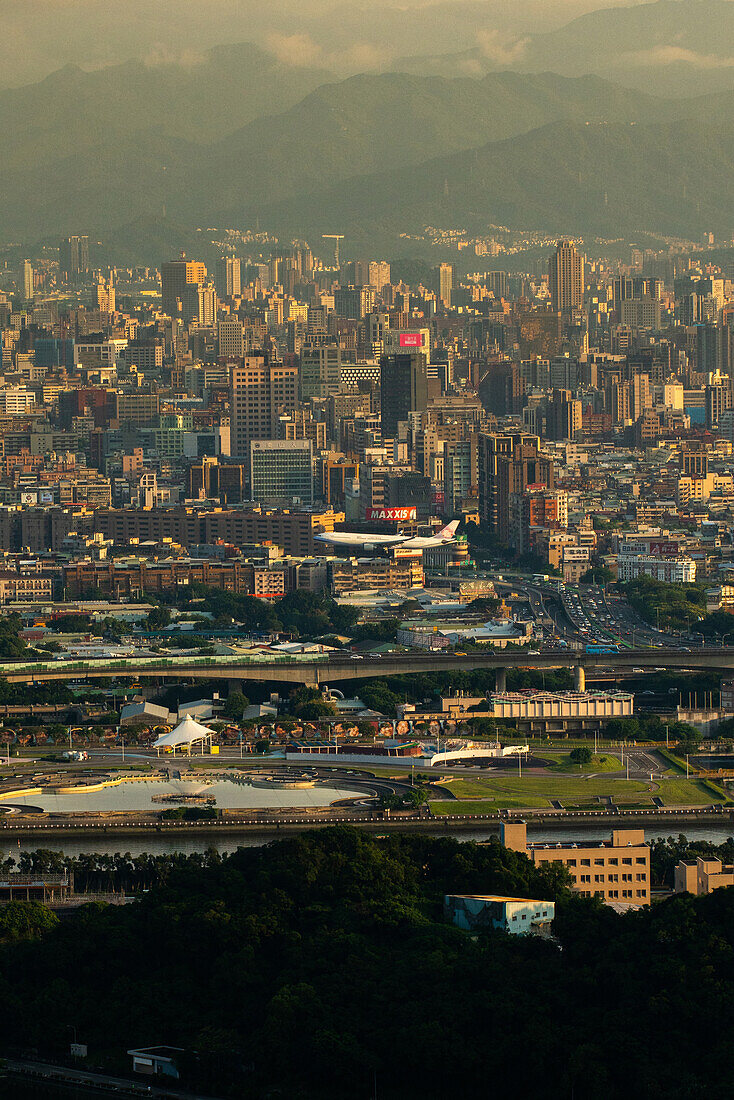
316	669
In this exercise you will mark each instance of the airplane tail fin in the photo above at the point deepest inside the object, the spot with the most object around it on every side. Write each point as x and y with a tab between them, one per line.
449	530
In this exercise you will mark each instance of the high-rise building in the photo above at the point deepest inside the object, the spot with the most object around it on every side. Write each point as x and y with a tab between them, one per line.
260	391
354	302
199	303
403	389
105	295
281	471
175	277
27	281
718	400
508	464
459	472
73	257
566	278
231	339
564	416
444	276
321	371
379	274
228	277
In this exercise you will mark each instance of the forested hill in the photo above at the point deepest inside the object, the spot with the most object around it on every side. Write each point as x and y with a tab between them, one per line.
321	967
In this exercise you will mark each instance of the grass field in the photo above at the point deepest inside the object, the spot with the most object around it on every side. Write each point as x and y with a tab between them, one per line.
686	792
480	795
559	762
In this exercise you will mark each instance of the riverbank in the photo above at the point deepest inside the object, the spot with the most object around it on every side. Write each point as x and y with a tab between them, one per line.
261	826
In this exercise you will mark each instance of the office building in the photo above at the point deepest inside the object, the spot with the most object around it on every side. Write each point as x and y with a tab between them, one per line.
403	389
260	391
616	870
281	471
566	278
176	276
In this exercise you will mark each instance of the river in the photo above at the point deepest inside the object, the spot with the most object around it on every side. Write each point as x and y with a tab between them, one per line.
166	845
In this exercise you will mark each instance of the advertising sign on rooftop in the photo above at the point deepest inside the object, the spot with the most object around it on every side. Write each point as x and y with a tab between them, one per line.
411	339
391	515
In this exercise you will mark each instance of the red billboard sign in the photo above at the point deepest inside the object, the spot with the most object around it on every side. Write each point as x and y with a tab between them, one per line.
391	514
411	339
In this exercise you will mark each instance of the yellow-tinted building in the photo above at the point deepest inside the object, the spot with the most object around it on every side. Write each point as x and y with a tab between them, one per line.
616	870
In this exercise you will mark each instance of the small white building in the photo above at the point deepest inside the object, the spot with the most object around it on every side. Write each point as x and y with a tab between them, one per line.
476	912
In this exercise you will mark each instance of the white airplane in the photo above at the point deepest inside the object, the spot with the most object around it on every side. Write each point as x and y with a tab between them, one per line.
445	537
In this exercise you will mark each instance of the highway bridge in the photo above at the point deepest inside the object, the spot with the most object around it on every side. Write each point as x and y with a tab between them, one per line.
315	669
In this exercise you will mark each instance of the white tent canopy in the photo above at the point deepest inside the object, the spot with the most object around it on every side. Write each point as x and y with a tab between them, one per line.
186	733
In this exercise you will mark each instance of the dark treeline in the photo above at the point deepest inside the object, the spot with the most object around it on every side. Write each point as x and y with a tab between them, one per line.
321	966
110	873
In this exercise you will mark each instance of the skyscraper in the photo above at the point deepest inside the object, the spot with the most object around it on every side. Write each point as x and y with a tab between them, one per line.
73	257
175	277
228	277
403	389
444	274
566	278
27	281
259	392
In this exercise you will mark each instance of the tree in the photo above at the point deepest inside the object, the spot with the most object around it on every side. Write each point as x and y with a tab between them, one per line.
314	709
262	745
235	705
158	618
582	755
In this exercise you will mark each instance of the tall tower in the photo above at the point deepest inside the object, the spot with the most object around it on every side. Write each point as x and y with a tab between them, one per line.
27	281
566	278
445	283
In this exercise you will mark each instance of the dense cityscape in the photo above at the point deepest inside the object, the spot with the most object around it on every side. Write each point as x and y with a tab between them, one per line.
366	551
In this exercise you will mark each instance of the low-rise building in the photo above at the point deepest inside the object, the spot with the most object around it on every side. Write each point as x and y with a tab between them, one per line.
616	870
518	916
701	876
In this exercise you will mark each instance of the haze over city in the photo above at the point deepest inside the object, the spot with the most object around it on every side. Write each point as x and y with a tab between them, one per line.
366	548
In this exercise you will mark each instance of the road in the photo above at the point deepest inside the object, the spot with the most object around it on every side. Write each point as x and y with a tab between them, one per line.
45	1071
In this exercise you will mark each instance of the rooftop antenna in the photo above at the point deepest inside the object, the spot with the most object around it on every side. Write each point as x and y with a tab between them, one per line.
335	237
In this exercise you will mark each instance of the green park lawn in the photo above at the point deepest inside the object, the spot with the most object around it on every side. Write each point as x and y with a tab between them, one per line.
679	791
479	795
559	762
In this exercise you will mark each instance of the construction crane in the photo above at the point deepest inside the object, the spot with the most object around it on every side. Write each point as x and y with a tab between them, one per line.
335	237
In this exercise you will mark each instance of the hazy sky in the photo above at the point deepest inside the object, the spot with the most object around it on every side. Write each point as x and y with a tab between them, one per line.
39	36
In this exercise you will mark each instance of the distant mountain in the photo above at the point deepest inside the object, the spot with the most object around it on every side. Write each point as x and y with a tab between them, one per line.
385	154
98	176
670	48
593	179
200	100
374	123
